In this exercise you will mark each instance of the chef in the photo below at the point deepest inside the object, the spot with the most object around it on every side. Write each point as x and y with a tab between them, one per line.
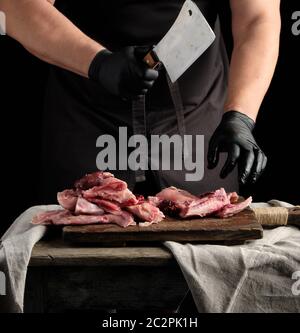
95	50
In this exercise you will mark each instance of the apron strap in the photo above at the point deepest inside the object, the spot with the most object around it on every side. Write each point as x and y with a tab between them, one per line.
139	127
139	124
179	109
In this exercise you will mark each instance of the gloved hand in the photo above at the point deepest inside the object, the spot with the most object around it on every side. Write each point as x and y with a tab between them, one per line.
122	73
234	136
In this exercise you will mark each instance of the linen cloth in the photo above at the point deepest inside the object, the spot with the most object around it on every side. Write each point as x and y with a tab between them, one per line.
15	251
258	276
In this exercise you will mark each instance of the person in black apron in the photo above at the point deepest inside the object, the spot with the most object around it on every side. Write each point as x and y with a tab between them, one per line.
78	110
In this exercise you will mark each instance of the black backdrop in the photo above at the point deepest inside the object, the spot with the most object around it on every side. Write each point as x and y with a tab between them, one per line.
22	82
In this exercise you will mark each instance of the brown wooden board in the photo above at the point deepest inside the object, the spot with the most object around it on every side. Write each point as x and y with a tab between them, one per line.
240	227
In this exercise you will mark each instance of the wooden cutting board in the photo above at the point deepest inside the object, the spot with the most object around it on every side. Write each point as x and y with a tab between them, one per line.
240	227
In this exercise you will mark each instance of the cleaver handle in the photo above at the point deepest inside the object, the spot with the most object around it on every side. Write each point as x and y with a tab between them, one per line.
152	60
293	217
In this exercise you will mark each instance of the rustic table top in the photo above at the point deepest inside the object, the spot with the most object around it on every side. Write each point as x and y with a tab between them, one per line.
57	253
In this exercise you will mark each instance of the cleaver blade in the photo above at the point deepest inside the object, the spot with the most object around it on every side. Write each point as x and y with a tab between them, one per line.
188	38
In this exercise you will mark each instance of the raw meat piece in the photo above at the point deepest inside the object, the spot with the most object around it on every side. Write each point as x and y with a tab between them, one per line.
85	207
155	201
182	203
92	179
173	194
170	208
205	206
124	197
69	219
81	220
101	198
233	197
140	198
47	218
64	217
114	184
146	212
203	195
108	184
67	199
123	219
108	206
232	209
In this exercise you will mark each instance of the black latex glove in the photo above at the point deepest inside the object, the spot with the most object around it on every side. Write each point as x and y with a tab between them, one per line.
234	136
122	73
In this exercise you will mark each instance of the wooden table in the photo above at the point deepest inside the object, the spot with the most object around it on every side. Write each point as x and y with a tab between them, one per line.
63	278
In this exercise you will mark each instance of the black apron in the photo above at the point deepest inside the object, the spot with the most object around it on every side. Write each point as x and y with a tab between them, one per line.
78	111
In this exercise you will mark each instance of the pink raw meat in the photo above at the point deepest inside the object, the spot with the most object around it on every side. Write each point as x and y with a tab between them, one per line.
64	217
177	202
233	197
106	184
124	197
232	209
205	206
173	194
85	207
67	199
101	198
155	201
92	179
123	219
146	212
46	218
182	203
108	206
81	220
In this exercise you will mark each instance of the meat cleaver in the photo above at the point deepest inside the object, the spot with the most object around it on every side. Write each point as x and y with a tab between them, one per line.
188	38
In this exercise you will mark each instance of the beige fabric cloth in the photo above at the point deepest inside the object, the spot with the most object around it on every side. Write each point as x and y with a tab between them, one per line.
15	251
254	277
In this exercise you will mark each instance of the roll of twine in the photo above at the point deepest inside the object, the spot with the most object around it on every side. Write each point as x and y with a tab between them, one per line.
272	215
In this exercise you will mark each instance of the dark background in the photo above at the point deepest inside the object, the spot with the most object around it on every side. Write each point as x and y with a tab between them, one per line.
22	83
